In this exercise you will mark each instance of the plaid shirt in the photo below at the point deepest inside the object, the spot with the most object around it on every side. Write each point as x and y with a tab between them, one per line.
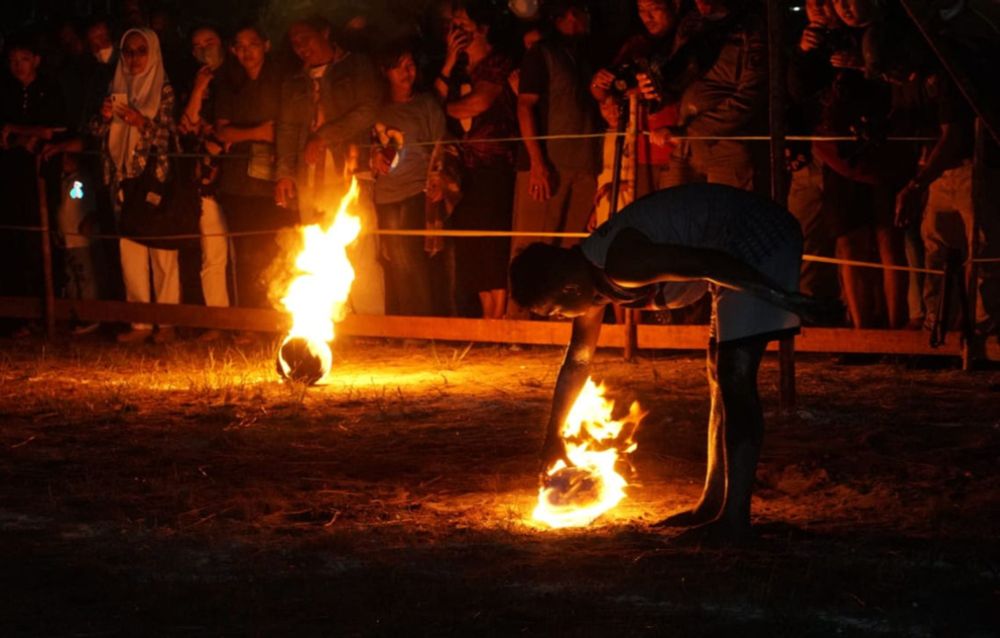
157	135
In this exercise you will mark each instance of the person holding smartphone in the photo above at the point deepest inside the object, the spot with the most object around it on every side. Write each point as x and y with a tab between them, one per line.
129	128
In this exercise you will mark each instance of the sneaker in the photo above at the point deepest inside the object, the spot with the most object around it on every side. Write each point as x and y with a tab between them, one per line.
165	334
135	336
85	329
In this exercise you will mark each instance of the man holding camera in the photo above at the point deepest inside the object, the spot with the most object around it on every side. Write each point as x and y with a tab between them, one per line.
556	179
726	54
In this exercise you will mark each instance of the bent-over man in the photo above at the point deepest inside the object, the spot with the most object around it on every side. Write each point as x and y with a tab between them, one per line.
667	250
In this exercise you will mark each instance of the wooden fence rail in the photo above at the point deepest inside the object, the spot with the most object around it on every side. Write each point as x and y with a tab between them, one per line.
651	337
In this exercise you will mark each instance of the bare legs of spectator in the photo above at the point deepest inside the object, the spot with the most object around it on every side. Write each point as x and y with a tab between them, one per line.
947	226
915	289
494	303
894	282
858	284
136	269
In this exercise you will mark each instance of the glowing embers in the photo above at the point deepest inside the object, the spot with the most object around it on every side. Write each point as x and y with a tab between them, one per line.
317	296
575	495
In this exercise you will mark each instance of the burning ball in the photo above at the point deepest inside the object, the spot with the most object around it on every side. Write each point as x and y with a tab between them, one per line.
572	487
304	360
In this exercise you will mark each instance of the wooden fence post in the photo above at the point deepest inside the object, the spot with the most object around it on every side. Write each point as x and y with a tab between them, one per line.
43	219
776	121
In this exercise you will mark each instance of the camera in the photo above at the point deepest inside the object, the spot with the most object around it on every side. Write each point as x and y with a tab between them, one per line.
626	76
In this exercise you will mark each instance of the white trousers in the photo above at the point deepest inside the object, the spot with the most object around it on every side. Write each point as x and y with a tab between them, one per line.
214	253
136	260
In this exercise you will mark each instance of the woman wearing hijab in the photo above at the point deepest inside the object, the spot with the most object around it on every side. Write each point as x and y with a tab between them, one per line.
135	118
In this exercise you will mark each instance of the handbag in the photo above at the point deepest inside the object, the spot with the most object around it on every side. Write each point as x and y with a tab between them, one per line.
153	213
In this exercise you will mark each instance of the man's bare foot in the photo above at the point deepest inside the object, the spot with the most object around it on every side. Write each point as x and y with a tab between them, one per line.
718	533
699	515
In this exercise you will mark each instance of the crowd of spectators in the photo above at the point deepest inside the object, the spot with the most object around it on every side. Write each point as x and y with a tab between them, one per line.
479	115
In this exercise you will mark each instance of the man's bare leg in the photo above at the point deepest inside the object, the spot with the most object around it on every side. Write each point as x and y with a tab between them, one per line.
713	495
743	429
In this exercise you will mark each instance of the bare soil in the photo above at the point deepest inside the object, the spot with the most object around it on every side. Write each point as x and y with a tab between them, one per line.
185	490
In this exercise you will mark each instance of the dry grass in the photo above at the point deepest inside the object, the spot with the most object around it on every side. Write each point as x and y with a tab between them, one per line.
186	488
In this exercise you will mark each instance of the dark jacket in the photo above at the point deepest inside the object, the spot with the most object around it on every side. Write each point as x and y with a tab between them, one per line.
731	89
350	92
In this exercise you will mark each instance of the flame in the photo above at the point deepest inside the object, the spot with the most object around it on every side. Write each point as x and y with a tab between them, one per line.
317	296
575	495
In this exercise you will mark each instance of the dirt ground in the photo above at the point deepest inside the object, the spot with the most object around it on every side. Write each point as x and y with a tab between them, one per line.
184	490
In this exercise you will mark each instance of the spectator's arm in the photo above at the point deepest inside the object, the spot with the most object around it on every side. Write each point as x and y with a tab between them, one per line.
479	100
526	113
943	155
359	119
733	113
232	134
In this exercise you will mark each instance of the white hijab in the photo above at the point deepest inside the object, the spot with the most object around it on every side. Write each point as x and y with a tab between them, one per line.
143	91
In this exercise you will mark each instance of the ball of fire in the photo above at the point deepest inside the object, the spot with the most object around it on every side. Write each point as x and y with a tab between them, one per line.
575	494
317	296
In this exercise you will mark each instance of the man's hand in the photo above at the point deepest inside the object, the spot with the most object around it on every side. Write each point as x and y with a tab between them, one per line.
647	89
50	150
284	192
313	151
812	39
458	41
601	83
202	79
131	116
107	109
846	60
540	181
909	204
660	136
381	164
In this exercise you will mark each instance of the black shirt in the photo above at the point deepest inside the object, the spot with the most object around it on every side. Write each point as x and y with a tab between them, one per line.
245	102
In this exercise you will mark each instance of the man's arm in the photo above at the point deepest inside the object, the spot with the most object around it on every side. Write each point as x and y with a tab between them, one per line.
572	376
360	117
633	261
286	133
733	114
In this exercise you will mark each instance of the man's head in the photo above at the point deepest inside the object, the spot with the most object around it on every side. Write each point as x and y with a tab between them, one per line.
569	17
397	62
250	46
206	46
552	281
712	8
474	18
659	17
23	60
310	39
822	13
856	13
98	35
68	34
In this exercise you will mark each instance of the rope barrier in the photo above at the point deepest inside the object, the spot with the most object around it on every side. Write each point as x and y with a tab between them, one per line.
572	136
483	234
